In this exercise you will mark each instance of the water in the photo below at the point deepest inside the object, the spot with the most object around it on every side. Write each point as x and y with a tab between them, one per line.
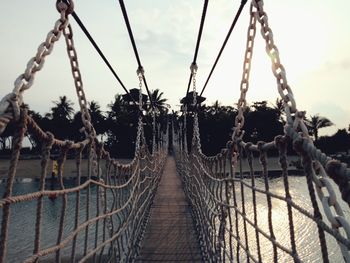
23	217
22	223
306	232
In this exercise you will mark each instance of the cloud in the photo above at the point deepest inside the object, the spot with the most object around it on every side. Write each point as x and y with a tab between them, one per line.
341	64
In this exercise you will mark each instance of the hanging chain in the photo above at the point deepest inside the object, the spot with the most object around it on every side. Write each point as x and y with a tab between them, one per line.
154	133
185	128
321	181
242	103
140	72
194	69
279	72
328	198
10	104
78	82
196	137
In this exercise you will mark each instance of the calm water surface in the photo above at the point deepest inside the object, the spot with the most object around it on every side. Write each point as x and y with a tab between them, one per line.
306	232
22	222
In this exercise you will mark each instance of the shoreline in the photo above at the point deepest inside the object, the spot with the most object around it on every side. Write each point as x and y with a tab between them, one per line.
30	169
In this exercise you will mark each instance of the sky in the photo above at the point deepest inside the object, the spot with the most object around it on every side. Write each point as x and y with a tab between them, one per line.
313	39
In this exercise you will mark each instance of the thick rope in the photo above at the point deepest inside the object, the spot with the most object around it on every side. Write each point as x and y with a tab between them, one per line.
131	185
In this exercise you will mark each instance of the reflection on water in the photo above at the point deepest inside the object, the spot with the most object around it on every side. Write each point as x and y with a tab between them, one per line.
306	232
22	223
23	217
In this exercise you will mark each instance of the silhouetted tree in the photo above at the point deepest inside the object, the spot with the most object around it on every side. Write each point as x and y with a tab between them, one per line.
97	117
121	127
317	122
61	119
279	107
215	123
63	109
339	142
262	123
159	102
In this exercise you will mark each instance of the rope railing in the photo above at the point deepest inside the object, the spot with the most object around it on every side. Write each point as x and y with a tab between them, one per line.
223	197
105	209
238	211
241	212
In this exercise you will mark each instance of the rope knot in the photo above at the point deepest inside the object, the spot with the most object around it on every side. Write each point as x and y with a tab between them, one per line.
237	135
67	145
229	144
247	146
280	142
49	139
260	146
15	101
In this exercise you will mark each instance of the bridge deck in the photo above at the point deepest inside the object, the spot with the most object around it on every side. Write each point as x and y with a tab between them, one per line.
170	234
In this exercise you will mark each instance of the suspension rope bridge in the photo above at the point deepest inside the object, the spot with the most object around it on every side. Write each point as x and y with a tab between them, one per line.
191	208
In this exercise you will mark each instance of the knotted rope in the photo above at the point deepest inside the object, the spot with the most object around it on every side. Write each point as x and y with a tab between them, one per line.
225	213
122	193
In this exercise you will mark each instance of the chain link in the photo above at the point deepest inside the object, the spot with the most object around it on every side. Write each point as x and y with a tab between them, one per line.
154	133
185	128
9	105
328	198
140	73
277	68
322	181
78	82
194	69
196	135
242	103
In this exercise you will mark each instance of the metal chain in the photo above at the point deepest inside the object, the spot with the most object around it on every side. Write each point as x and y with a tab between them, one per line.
9	105
321	181
242	103
140	72
194	69
154	133
323	185
78	82
277	68
185	128
196	136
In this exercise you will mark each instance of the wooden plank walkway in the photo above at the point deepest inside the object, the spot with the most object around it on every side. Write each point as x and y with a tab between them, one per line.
170	234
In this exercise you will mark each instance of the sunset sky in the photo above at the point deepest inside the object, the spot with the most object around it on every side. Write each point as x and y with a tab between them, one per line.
313	38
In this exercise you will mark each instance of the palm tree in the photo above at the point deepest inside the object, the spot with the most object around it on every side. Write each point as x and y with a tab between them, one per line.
279	108
317	122
63	109
97	117
116	107
159	103
61	118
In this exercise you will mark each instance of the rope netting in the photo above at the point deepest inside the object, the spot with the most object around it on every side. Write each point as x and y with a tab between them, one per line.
241	212
103	213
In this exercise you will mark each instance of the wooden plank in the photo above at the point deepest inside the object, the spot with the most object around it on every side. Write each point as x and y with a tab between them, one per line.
170	234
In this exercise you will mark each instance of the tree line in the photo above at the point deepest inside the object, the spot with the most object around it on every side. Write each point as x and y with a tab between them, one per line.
117	125
263	121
